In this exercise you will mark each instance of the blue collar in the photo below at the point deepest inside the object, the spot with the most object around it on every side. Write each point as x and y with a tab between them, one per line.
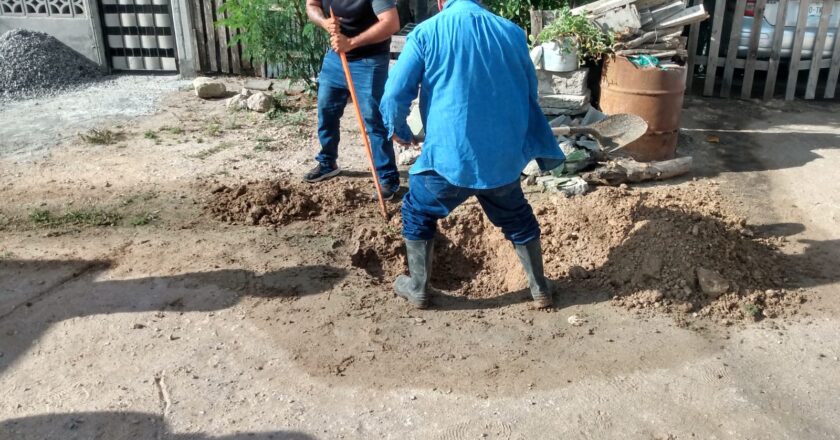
451	2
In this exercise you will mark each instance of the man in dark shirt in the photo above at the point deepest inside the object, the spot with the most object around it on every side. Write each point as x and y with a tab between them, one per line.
362	29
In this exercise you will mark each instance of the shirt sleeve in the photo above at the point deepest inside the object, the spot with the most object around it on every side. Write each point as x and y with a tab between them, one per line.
401	88
380	6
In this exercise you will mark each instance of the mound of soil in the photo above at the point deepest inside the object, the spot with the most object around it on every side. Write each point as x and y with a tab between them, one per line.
667	249
283	201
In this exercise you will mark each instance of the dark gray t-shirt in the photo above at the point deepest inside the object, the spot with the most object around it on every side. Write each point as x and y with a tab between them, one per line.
357	16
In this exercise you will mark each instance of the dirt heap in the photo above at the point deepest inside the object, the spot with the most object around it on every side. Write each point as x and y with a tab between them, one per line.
669	249
283	201
35	63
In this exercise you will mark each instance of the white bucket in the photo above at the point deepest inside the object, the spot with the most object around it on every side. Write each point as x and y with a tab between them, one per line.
558	57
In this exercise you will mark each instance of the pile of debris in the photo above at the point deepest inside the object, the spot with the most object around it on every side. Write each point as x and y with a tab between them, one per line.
651	28
34	64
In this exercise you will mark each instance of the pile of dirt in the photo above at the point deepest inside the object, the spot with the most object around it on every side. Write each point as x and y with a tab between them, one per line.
34	64
668	249
283	201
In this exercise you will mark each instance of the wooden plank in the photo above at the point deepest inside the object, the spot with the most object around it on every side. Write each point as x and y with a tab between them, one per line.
693	14
775	52
817	53
212	54
600	6
796	55
714	48
198	32
732	50
235	63
693	37
834	69
221	33
536	22
752	54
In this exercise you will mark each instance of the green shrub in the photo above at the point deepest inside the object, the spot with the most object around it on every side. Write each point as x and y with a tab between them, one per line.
591	42
277	32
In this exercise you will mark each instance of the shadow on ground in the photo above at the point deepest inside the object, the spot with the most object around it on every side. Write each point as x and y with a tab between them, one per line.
76	293
738	136
116	426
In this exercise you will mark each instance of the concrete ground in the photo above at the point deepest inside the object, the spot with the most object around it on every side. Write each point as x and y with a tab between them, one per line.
160	331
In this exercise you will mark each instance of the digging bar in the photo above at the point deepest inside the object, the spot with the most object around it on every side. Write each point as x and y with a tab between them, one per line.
362	128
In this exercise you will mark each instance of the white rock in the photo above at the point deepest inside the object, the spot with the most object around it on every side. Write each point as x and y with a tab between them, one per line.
532	169
237	103
408	156
245	92
260	102
208	88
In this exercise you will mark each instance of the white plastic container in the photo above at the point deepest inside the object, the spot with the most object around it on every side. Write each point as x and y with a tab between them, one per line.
557	57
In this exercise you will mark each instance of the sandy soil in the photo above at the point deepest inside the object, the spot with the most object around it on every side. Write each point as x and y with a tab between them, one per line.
140	297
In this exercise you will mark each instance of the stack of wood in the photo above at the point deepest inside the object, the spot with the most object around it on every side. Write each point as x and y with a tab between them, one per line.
645	27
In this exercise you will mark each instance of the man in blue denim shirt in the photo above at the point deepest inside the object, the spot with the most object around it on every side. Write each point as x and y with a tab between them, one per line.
478	103
362	29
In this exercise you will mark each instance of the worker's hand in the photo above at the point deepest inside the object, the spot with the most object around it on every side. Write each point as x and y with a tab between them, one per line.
341	43
411	142
332	25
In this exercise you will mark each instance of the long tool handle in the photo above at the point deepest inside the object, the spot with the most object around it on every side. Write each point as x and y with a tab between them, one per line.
365	138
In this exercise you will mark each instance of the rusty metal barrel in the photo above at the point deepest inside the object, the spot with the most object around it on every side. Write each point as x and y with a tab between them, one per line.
654	94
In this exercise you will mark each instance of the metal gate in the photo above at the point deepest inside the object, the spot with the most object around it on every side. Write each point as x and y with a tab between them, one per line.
139	35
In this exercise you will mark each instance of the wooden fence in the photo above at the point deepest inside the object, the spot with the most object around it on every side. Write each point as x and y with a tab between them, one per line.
214	53
727	59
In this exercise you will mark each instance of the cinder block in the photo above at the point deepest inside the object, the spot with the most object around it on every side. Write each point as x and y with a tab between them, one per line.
565	104
562	83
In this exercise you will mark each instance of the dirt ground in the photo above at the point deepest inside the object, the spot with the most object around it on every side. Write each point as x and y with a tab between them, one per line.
182	283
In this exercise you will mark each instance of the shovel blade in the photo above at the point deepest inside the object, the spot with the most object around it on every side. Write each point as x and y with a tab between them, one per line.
619	130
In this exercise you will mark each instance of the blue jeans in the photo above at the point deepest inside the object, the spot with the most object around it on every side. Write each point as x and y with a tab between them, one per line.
431	197
369	76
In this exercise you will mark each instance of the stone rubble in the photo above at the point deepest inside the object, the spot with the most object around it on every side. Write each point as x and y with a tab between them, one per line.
34	64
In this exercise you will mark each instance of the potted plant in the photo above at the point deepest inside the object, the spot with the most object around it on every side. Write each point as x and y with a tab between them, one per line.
568	41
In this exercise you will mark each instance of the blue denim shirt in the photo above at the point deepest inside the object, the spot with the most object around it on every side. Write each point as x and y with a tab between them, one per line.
478	98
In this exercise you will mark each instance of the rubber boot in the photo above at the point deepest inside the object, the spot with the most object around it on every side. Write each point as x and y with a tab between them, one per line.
530	254
415	287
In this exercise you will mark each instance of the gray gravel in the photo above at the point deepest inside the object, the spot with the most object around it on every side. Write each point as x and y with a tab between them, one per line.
39	124
36	64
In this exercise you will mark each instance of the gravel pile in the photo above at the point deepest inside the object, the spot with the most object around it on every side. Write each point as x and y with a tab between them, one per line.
34	64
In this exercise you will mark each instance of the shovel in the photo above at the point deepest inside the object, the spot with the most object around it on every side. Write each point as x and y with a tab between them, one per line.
612	133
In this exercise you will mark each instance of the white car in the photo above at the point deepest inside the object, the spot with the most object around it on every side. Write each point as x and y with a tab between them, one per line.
769	27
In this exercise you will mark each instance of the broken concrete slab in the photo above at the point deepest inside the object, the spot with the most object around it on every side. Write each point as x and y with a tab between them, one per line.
568	186
259	84
563	83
